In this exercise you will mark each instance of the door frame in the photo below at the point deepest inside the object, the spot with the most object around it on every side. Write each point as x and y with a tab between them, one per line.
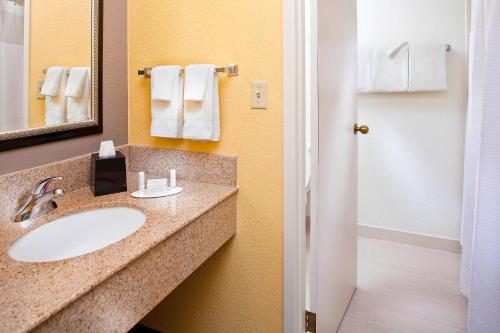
314	137
26	60
294	165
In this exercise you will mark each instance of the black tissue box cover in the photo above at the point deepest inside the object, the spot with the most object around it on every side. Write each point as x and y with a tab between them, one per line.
108	175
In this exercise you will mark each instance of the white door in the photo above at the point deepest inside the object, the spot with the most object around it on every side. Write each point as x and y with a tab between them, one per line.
334	242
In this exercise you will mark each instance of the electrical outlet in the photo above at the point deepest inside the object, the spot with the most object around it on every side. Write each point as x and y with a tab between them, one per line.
259	94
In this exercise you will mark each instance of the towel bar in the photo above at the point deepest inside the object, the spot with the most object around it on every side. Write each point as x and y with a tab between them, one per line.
45	70
230	70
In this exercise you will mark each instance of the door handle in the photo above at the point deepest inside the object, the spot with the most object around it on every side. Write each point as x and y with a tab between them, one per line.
363	129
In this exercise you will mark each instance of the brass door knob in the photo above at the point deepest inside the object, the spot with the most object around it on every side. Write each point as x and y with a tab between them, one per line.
363	129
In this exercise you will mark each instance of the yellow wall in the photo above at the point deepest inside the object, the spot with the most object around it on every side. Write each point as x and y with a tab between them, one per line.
240	289
60	34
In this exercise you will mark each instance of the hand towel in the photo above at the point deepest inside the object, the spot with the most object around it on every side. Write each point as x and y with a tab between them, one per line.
390	68
78	94
197	79
166	102
55	100
52	81
365	68
76	81
427	71
201	103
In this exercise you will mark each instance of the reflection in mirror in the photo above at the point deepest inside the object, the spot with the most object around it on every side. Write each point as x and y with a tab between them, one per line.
59	66
13	112
45	62
48	65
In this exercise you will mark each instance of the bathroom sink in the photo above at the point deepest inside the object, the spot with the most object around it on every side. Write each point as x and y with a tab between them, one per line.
78	234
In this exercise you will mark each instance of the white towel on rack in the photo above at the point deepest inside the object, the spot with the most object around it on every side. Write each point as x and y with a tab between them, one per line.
201	103
427	68
197	77
390	68
55	100
76	81
365	68
78	94
166	102
51	85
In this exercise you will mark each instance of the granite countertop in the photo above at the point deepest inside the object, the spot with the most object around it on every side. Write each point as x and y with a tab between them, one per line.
33	292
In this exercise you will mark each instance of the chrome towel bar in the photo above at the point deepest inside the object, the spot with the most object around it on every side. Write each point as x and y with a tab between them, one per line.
230	70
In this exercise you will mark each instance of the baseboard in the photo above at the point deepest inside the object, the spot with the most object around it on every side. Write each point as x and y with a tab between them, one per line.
431	242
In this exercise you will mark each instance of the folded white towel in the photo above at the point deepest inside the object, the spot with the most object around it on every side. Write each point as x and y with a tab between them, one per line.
163	79
201	103
79	107
55	100
77	81
166	102
390	72
52	81
197	80
365	68
427	68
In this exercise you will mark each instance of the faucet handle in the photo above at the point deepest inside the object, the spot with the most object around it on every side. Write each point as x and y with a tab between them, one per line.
42	186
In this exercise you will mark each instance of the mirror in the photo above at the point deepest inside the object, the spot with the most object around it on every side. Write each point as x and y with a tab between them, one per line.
50	70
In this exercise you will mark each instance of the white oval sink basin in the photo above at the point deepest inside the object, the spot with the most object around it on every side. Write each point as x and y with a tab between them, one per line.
78	234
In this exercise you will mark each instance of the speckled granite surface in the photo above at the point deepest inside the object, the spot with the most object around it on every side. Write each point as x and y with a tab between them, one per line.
207	168
15	187
111	289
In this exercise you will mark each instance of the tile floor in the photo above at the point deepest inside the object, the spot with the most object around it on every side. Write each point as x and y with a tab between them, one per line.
403	288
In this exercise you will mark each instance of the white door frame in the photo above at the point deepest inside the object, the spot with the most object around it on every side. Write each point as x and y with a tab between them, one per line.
314	137
294	165
26	60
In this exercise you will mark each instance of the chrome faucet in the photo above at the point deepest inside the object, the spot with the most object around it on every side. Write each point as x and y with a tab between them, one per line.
41	200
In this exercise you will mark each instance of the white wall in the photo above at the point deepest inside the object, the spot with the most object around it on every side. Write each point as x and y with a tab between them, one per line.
411	163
